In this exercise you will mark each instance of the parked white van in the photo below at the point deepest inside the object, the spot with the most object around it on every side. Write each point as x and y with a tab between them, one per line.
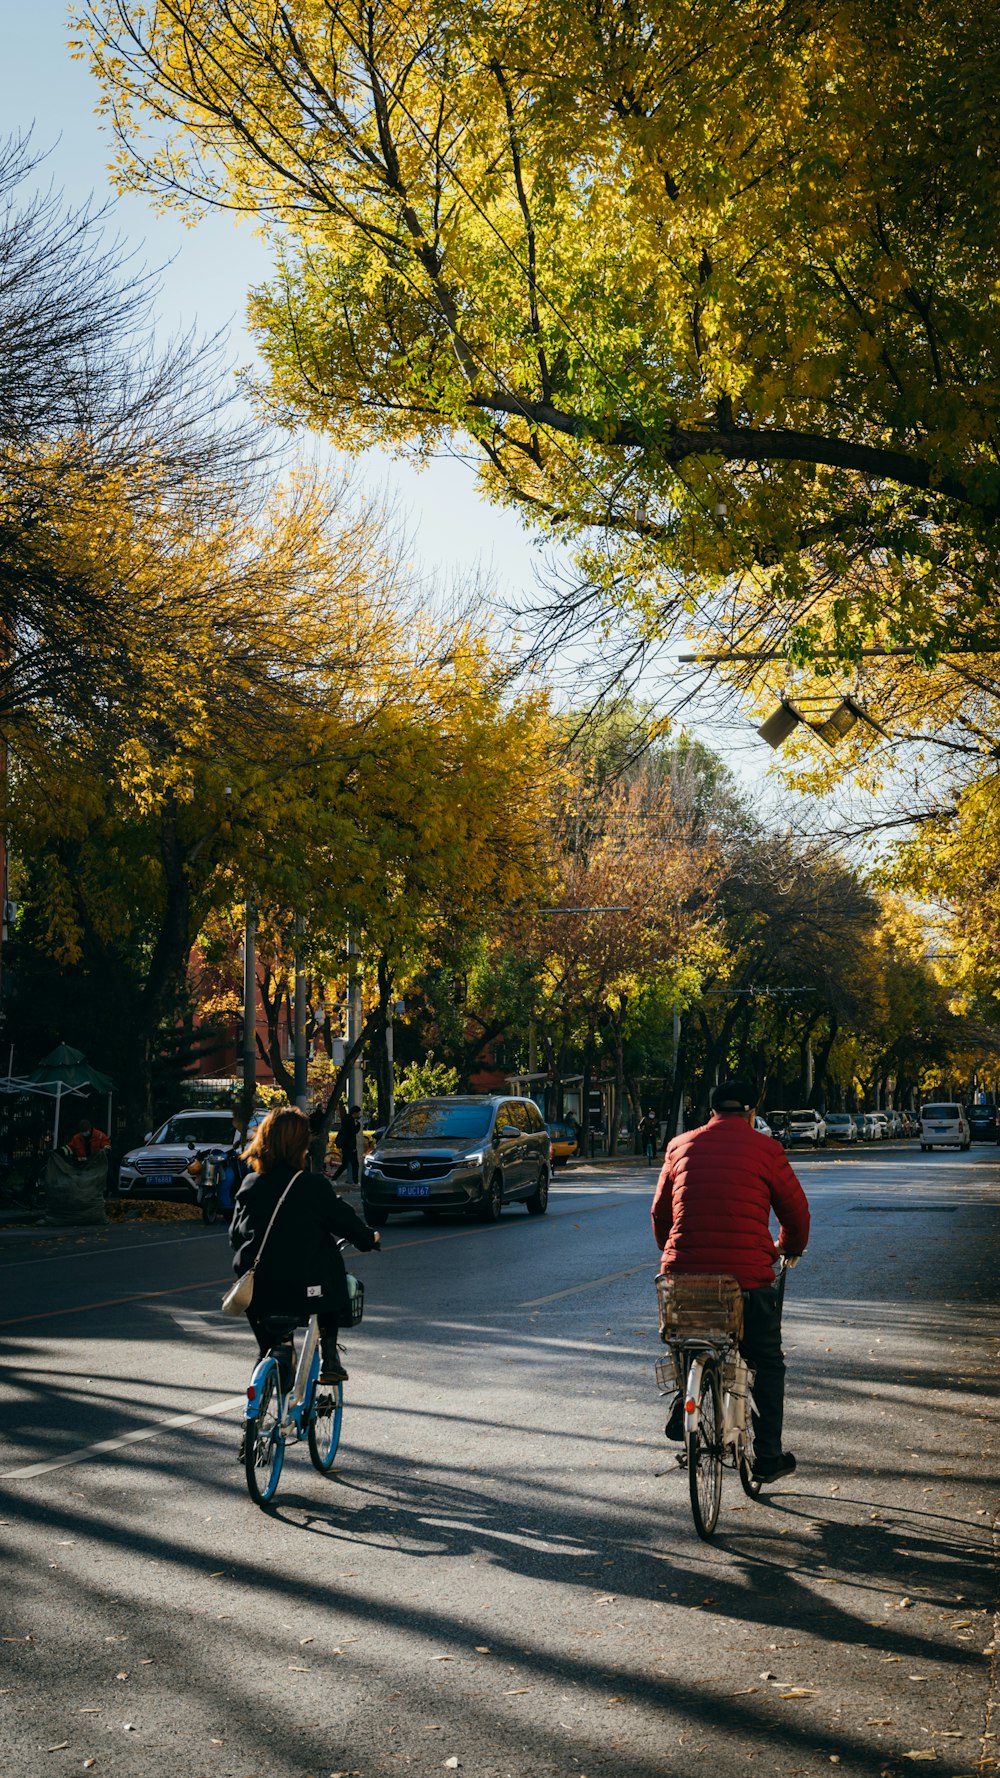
943	1124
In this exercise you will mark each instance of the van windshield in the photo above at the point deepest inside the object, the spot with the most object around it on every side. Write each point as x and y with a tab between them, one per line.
942	1112
461	1123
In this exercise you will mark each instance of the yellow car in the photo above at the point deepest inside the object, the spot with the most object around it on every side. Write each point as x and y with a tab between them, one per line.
564	1143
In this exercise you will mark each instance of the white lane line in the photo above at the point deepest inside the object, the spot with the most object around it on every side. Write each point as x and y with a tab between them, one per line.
46	1259
105	1445
591	1284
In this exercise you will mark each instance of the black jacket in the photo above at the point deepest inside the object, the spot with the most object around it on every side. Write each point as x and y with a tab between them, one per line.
302	1270
347	1138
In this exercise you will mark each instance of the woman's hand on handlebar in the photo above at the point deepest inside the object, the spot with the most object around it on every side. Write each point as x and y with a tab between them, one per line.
376	1241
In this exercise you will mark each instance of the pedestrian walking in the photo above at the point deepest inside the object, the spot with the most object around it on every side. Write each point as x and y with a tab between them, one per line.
648	1130
347	1142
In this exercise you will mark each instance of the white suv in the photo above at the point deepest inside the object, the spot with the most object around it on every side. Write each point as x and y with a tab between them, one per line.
806	1126
943	1124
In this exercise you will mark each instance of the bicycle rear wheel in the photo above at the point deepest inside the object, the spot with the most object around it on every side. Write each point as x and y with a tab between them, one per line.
264	1448
324	1425
704	1454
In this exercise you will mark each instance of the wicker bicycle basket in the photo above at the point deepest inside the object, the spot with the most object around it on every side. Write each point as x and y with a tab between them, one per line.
694	1303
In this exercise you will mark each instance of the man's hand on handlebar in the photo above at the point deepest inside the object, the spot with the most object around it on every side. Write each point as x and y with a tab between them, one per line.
376	1241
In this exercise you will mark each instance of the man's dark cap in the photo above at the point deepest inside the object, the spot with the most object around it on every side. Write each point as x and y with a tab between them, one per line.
733	1095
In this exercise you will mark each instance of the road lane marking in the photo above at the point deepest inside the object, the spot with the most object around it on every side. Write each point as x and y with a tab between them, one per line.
396	1247
106	1445
46	1259
114	1302
591	1284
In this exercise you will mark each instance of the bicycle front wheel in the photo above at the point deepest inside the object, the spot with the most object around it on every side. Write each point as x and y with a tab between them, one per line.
264	1448
704	1455
324	1425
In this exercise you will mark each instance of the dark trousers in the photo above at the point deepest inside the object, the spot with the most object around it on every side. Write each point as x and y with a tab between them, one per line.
274	1334
349	1164
761	1347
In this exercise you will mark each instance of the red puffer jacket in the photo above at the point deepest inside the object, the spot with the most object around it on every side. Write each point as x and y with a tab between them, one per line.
714	1197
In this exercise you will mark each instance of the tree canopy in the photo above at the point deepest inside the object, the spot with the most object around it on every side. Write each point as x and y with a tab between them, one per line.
713	291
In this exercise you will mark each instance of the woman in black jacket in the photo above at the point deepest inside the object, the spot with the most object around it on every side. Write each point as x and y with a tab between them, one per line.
301	1272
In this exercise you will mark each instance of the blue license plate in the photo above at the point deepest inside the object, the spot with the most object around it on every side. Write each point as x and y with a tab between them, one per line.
413	1191
160	1178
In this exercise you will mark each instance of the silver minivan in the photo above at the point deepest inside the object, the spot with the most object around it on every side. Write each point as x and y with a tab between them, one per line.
943	1125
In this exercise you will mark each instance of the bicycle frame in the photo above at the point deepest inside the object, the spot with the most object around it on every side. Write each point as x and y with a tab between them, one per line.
300	1393
695	1354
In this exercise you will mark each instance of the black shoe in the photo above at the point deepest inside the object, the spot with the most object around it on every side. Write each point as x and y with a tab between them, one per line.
675	1425
774	1468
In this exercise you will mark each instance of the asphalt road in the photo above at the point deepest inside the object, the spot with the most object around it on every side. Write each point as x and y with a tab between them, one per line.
502	1570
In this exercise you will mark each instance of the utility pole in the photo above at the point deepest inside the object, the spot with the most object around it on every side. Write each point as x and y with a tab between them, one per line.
299	1035
356	1079
249	1007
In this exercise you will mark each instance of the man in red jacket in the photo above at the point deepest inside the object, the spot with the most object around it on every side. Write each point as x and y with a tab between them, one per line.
711	1213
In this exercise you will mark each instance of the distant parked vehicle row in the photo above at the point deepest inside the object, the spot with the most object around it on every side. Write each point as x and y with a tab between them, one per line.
814	1129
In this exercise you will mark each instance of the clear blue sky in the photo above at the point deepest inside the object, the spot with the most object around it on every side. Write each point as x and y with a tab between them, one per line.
207	271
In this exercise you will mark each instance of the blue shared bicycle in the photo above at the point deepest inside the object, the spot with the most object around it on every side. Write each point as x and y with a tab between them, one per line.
306	1410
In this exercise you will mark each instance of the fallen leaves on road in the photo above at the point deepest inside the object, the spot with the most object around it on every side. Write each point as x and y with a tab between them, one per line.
878	1722
58	1748
89	1764
121	1675
452	1763
799	1691
304	1639
920	1753
482	1650
905	1605
518	1691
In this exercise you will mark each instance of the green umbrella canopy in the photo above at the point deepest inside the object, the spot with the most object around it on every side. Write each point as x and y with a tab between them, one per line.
70	1069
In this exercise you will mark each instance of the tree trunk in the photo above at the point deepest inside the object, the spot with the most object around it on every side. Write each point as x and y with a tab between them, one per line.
380	1041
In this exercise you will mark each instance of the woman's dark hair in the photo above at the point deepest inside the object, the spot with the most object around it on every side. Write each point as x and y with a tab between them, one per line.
281	1140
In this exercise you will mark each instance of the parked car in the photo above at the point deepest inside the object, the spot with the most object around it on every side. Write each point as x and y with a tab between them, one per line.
158	1168
806	1126
944	1124
982	1120
840	1127
762	1126
778	1121
564	1143
874	1130
471	1152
